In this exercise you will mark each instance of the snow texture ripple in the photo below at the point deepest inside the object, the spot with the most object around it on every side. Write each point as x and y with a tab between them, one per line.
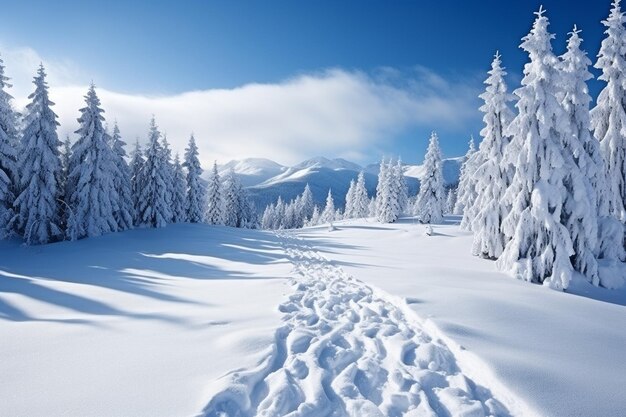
345	350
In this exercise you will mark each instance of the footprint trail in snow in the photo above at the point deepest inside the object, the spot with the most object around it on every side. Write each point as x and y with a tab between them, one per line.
346	351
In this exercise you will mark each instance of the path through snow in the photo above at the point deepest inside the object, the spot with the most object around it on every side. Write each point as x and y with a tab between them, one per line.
346	350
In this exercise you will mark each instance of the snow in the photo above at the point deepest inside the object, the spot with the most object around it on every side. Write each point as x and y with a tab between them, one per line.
191	319
135	323
560	354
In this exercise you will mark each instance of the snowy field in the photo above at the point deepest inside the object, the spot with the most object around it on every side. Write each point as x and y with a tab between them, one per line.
371	319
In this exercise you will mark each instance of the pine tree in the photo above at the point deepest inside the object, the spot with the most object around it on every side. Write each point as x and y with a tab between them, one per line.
136	166
214	212
8	155
387	192
38	216
493	176
315	217
231	190
307	202
267	221
431	197
349	211
179	192
328	215
401	191
154	209
465	192
196	195
450	201
361	200
580	214
92	193
608	118
168	174
124	209
540	246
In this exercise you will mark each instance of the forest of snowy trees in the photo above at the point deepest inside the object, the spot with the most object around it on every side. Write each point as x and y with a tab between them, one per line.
51	191
545	192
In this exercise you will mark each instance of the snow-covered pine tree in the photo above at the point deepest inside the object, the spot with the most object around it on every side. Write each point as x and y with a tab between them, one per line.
307	202
8	155
231	190
279	214
540	246
372	207
124	209
315	217
608	118
387	207
401	188
450	200
349	208
168	173
580	214
267	221
328	215
431	196
154	209
196	193
179	192
37	216
136	165
465	192
247	217
215	204
361	200
92	193
493	176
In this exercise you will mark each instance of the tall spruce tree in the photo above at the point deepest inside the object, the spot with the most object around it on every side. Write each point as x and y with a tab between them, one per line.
540	246
136	165
215	205
123	210
37	216
430	200
179	192
92	193
196	194
153	206
8	155
493	176
608	118
328	215
465	192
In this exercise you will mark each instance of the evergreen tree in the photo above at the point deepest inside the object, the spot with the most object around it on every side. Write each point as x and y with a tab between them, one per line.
431	197
154	209
168	174
580	215
361	200
38	218
328	215
307	202
401	191
231	190
315	217
196	194
214	212
92	193
540	245
465	192
387	192
8	155
267	221
450	201
124	208
349	211
493	176
136	166
179	192
608	118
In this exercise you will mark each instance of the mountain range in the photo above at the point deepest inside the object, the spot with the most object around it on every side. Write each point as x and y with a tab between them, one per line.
266	180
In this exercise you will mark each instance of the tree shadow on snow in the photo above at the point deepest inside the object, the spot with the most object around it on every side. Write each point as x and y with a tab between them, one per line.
141	262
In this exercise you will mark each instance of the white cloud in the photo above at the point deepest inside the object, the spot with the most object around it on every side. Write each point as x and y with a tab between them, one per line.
334	112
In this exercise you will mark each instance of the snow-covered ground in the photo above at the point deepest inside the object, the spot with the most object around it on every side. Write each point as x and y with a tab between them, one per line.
372	319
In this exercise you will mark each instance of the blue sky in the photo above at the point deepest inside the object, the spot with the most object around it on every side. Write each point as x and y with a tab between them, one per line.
162	48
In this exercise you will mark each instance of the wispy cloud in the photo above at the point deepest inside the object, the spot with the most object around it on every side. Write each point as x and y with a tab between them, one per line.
332	112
